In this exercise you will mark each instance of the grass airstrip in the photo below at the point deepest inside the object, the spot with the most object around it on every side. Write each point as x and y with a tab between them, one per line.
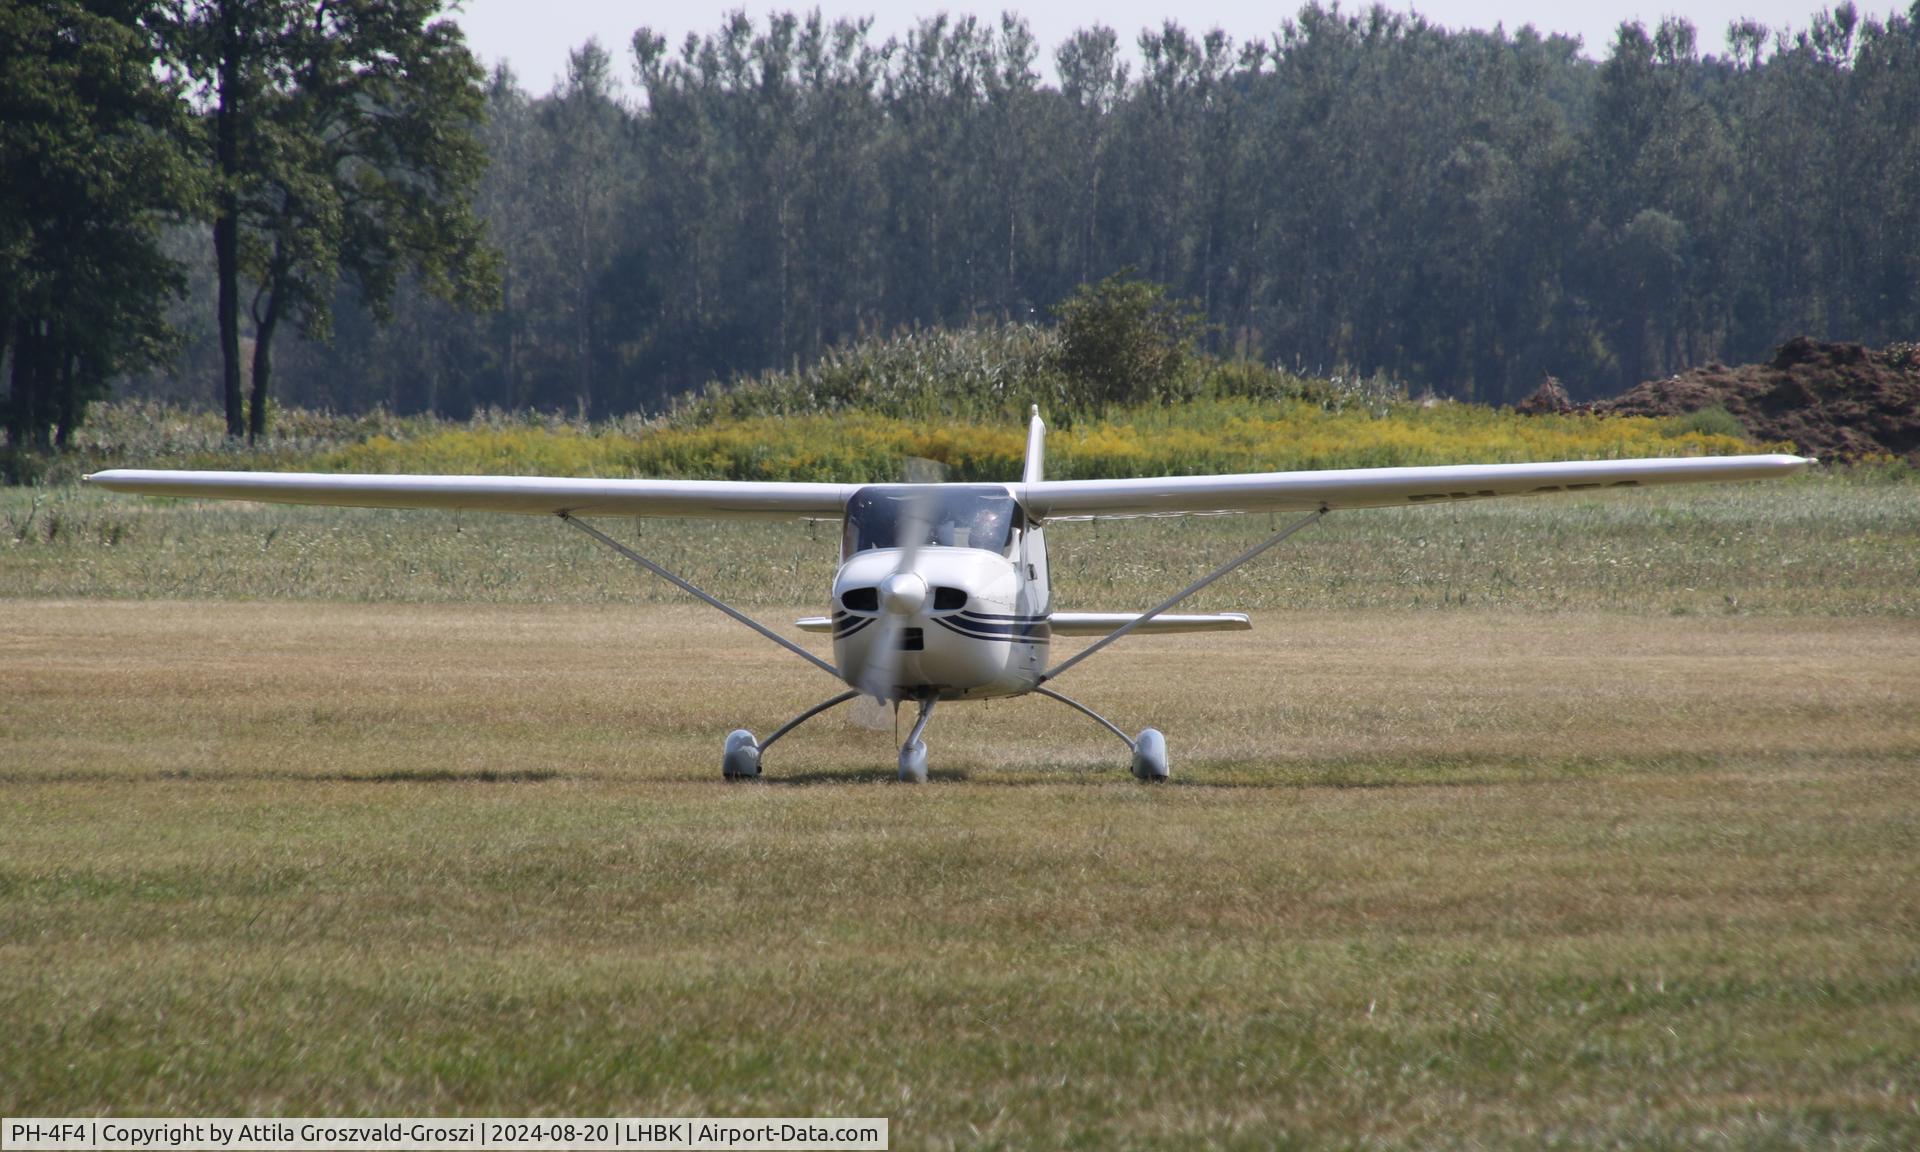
1523	824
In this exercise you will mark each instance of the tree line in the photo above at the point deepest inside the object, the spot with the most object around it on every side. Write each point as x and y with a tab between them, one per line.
1469	211
308	149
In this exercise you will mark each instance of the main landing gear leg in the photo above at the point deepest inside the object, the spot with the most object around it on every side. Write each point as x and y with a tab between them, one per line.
1149	751
741	760
913	754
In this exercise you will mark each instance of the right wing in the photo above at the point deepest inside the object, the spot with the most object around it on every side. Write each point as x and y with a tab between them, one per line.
533	495
1378	487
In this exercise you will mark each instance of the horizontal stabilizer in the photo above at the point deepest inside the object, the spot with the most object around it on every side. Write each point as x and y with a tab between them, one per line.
1101	623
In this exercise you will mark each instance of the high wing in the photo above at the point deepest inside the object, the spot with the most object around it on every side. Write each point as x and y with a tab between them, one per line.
1044	499
533	495
1377	487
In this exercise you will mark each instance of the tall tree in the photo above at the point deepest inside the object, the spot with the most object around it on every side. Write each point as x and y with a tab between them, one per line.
92	164
1464	210
1093	81
344	140
586	129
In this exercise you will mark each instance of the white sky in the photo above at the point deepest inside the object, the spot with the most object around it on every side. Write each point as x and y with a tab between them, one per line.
535	35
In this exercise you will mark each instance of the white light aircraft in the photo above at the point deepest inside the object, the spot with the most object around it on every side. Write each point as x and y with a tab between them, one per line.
942	591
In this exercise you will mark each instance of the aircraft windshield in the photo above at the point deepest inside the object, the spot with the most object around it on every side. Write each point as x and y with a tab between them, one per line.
949	516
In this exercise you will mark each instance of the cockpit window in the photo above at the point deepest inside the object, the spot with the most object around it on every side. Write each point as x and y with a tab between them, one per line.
948	516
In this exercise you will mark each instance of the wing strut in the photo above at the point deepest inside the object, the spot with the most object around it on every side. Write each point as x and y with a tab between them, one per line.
1189	590
691	590
1084	710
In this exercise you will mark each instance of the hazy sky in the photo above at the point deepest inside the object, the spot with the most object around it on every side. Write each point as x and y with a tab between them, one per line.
534	35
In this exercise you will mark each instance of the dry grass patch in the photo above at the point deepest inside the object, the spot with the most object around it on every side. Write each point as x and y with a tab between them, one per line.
1460	879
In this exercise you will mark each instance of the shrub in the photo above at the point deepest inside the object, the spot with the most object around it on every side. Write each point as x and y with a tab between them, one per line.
1123	341
1714	421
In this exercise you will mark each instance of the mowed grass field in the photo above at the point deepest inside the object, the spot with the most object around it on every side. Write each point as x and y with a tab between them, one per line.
1618	845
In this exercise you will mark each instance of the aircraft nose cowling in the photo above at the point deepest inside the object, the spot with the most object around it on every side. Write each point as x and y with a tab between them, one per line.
903	593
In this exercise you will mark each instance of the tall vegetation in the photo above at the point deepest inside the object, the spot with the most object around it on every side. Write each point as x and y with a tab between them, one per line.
92	163
342	139
1466	211
1359	192
331	148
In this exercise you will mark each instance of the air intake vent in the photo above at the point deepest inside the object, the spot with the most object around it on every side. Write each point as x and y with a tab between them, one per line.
861	599
948	599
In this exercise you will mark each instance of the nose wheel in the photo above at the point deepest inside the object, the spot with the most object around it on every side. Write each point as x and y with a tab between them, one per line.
913	754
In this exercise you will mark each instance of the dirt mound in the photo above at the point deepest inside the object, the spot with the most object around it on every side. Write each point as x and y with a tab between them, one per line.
1834	401
1548	399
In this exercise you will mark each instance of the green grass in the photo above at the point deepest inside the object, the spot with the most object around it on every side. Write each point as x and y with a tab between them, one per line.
1841	543
1582	823
1467	880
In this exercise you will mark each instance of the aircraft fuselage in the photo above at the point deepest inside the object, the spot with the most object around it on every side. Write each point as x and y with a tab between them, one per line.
959	615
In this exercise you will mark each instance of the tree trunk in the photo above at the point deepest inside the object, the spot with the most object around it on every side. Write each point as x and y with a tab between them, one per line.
67	408
263	327
27	407
226	221
7	294
19	403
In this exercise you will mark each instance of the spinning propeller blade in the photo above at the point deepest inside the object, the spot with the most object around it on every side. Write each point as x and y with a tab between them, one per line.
872	713
899	597
901	594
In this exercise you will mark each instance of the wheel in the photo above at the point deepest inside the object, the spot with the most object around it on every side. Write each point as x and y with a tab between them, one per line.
913	764
741	760
1150	756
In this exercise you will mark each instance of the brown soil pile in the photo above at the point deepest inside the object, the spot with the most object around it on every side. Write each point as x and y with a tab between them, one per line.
1548	399
1834	401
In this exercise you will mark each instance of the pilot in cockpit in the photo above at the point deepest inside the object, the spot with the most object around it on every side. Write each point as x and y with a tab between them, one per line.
989	529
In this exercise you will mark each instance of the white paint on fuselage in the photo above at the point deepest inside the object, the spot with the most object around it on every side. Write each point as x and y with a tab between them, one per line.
993	645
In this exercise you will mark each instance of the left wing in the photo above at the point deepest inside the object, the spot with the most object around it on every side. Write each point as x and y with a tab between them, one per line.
1378	487
533	495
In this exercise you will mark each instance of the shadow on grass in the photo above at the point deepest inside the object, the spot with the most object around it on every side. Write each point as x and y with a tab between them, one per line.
856	776
1081	777
395	776
439	776
1449	772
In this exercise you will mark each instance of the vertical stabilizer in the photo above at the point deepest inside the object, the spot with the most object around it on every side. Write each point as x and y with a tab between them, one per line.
1036	468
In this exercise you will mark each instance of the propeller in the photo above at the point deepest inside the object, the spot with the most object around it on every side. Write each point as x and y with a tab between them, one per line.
902	593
